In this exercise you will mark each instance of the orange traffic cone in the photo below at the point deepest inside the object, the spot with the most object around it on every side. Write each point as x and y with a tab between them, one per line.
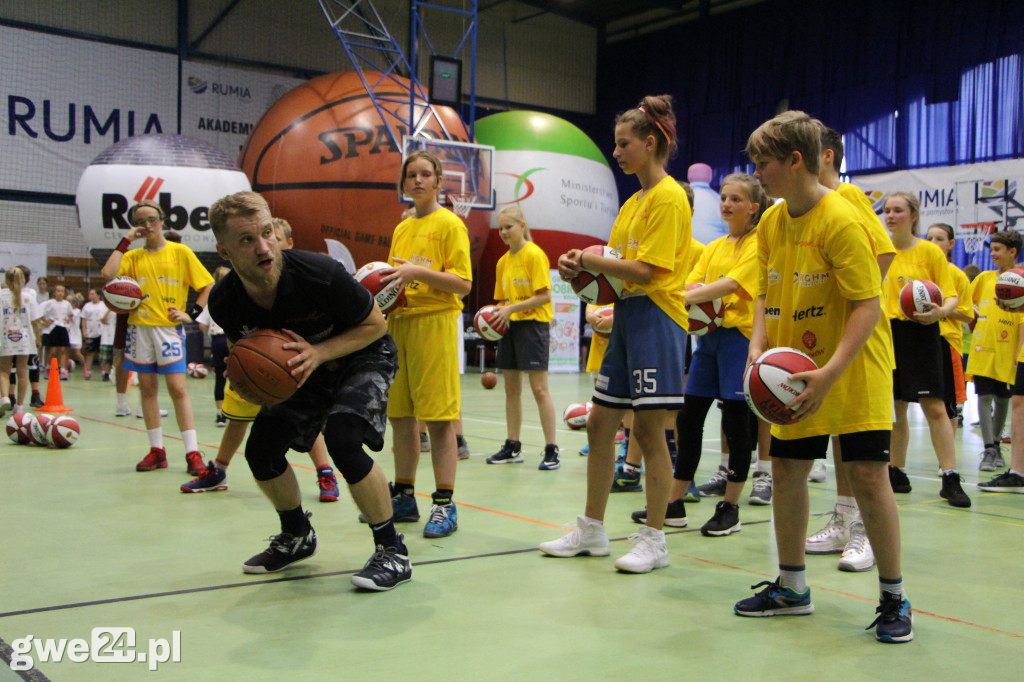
54	399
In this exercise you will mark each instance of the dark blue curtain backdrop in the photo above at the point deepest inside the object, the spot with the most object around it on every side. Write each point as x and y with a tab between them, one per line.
952	71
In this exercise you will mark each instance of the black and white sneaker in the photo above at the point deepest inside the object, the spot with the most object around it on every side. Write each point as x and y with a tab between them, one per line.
898	480
675	515
550	461
388	568
952	491
510	453
285	549
726	521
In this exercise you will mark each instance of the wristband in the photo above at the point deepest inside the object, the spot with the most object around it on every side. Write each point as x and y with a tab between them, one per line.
123	246
195	311
581	260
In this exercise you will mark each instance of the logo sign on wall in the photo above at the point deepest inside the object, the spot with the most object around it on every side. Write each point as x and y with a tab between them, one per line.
183	175
564	355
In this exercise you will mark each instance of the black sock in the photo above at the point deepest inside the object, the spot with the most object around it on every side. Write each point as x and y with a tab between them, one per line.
442	497
401	489
294	521
460	440
385	535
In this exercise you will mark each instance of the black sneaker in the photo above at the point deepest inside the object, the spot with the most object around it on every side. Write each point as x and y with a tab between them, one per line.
510	453
285	549
222	421
898	480
36	401
895	621
726	521
952	492
675	516
1004	483
386	569
550	461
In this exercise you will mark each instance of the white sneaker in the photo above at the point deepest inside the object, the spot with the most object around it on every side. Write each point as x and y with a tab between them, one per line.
589	537
122	411
5	405
818	473
858	555
140	415
648	552
832	538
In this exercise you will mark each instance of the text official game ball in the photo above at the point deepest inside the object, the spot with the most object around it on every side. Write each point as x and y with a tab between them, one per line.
389	295
258	367
122	294
604	313
486	323
768	388
488	380
1010	288
705	317
576	415
63	432
19	428
599	289
38	429
915	294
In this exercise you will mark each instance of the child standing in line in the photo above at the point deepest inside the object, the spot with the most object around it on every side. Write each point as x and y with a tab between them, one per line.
523	291
19	327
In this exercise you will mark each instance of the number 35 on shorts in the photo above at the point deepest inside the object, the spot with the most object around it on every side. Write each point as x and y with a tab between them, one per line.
645	380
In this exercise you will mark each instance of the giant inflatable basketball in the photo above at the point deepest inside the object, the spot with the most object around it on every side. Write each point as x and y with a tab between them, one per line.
322	158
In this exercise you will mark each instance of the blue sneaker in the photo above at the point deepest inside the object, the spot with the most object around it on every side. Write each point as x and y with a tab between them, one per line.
895	621
328	484
775	600
692	494
585	450
211	480
443	521
625	482
403	507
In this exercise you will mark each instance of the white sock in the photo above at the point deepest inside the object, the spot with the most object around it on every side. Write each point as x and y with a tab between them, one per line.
794	580
122	401
191	441
591	521
895	587
725	461
847	506
156	438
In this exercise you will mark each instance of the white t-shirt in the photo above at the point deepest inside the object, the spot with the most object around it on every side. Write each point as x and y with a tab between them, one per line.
204	318
75	329
93	313
108	328
60	312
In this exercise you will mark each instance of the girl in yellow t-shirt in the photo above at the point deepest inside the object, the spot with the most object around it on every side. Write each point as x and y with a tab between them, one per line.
642	368
726	270
952	328
522	289
430	254
923	371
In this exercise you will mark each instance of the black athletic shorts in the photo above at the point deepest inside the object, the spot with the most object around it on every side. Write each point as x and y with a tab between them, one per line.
57	338
525	347
861	446
990	386
921	362
91	344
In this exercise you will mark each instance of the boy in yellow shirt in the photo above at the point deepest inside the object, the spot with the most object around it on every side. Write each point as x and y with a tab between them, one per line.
815	234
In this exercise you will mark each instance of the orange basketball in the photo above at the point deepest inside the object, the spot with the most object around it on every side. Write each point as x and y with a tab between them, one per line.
258	367
323	159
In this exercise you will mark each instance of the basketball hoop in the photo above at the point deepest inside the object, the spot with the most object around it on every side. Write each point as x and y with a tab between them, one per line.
973	235
461	203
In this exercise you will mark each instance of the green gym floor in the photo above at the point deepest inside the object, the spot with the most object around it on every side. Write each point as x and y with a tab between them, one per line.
91	543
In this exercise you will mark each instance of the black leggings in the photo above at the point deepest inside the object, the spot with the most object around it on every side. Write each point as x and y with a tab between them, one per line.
219	351
270	439
690	425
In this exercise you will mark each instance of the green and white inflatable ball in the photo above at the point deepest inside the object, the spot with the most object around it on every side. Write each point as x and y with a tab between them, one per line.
556	175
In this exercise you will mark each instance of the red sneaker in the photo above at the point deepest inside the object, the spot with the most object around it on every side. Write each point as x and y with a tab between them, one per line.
156	459
194	460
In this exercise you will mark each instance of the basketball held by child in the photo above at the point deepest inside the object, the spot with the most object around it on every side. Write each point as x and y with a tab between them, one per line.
594	287
604	314
122	294
488	380
488	325
576	415
1010	289
706	317
258	367
389	295
767	385
915	294
63	432
19	428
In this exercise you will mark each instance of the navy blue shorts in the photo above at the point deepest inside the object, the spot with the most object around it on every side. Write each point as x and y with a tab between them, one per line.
718	364
643	365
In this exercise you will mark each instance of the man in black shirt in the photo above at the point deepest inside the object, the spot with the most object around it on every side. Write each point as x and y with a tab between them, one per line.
345	363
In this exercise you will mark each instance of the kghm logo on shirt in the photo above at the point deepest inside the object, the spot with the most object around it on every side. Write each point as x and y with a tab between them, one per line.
811	279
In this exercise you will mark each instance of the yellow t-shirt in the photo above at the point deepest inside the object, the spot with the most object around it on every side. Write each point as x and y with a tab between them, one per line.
725	257
950	329
923	260
995	336
438	241
655	229
693	255
165	277
598	343
810	269
520	276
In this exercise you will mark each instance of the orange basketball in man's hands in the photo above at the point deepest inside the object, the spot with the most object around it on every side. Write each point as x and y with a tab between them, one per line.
258	367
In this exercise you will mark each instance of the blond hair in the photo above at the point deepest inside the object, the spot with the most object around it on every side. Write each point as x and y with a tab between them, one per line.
238	204
15	280
516	214
915	208
755	193
284	226
790	131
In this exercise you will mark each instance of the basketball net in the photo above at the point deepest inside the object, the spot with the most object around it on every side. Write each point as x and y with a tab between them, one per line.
461	203
972	236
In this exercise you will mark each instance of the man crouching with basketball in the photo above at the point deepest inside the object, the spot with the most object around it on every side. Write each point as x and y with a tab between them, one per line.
345	364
